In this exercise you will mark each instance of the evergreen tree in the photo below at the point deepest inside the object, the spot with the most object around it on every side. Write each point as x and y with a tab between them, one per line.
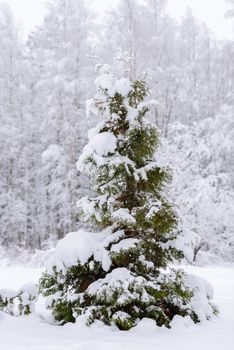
117	275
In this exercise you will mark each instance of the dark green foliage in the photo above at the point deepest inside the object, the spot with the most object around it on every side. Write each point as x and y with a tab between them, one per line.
158	306
131	181
3	303
124	324
139	91
63	311
17	303
142	143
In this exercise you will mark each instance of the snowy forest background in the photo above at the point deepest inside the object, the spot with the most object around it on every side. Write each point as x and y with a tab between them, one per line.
44	83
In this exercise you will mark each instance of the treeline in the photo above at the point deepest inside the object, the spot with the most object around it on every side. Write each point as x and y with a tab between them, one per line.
43	87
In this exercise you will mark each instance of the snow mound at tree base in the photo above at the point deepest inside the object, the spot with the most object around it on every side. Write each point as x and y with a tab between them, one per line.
80	286
25	333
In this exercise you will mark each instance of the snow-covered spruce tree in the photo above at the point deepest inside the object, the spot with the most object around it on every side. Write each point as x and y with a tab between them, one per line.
117	275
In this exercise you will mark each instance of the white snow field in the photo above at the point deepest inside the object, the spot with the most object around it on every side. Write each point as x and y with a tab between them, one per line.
33	333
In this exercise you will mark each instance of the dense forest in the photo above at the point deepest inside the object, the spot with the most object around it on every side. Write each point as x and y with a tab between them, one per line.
45	81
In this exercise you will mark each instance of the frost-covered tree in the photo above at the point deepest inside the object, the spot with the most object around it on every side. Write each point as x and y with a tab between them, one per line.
13	181
127	22
203	183
56	192
116	274
60	51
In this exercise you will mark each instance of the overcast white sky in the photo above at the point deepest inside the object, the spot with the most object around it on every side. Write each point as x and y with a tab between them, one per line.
31	12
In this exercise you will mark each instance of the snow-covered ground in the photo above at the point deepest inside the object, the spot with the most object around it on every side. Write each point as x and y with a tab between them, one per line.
32	333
